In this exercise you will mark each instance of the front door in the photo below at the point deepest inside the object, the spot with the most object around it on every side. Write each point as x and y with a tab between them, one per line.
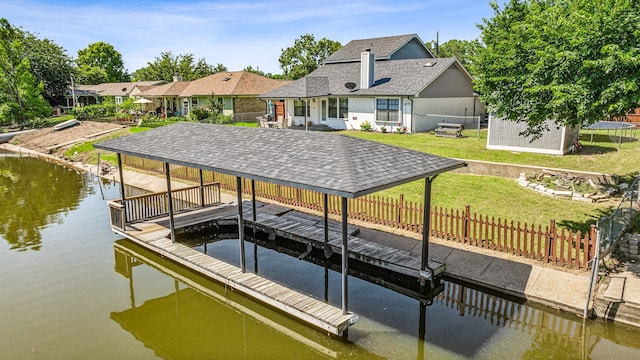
279	109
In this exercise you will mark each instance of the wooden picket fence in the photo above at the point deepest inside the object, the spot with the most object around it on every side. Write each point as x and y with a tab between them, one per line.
546	244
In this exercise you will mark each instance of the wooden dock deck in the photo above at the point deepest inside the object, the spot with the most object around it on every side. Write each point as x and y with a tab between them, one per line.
137	257
153	236
309	229
276	220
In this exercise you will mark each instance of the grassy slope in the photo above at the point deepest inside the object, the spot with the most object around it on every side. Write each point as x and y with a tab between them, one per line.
502	197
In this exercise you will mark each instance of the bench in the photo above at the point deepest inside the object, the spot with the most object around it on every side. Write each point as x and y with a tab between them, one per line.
449	130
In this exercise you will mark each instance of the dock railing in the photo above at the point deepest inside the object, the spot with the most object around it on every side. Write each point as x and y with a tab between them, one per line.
151	205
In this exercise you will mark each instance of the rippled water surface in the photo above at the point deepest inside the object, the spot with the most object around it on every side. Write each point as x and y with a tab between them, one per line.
71	288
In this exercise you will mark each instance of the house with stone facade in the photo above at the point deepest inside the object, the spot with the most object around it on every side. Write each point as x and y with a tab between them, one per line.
237	91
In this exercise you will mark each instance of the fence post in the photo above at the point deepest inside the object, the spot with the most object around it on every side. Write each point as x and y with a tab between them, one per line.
593	235
552	236
467	216
400	207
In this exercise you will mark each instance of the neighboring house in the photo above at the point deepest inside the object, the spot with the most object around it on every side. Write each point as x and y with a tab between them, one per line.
505	135
388	82
94	94
165	98
236	90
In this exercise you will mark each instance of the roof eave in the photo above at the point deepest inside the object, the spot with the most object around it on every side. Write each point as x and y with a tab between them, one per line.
408	180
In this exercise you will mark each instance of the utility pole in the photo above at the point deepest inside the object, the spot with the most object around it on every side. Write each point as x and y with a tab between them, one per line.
73	92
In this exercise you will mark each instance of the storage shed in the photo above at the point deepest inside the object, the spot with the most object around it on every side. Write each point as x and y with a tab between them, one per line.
505	135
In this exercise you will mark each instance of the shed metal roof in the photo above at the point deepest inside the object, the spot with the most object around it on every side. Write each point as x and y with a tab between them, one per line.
325	162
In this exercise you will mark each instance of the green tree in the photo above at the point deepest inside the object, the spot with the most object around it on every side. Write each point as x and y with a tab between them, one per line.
103	56
49	62
306	55
90	75
51	65
572	61
250	69
165	66
20	92
464	50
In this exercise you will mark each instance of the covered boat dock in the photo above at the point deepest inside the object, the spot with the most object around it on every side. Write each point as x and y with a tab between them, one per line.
330	164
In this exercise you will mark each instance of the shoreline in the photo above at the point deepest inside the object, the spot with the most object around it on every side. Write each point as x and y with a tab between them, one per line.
526	280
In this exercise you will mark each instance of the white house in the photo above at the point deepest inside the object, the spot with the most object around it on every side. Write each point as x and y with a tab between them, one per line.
393	82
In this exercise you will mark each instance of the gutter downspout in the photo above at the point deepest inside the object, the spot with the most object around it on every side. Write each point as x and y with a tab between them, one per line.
411	114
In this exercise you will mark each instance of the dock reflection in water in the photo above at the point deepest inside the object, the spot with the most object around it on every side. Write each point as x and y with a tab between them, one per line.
462	322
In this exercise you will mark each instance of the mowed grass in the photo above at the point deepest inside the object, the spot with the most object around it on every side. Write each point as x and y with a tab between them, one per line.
487	195
503	197
601	155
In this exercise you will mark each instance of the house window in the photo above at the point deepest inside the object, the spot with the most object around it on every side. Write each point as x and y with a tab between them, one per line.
194	102
387	110
344	108
338	107
118	100
298	108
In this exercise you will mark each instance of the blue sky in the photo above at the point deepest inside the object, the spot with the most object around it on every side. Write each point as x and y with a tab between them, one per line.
236	33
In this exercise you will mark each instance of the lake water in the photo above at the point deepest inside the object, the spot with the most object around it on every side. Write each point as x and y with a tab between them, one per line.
71	288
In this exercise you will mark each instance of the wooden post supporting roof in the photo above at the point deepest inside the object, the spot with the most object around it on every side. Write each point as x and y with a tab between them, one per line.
426	225
327	248
201	188
253	199
172	224
122	192
243	267
345	260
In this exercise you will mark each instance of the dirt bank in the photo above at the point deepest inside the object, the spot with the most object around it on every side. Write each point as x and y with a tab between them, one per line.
49	141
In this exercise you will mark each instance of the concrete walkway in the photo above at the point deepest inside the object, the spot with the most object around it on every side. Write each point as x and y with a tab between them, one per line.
544	285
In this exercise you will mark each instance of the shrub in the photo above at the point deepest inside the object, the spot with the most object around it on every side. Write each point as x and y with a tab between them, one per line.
105	109
199	113
366	126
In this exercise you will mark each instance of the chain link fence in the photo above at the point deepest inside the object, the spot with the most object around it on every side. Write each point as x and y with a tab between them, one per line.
612	227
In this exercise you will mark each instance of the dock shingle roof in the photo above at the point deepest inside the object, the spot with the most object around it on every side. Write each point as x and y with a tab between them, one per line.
329	163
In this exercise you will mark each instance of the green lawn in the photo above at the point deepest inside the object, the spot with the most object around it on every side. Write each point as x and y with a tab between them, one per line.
502	197
487	195
600	156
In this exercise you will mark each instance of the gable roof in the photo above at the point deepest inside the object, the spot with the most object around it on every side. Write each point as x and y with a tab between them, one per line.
174	88
382	47
231	83
392	78
345	167
116	89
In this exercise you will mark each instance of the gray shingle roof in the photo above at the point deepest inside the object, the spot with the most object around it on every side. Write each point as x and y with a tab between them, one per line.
382	47
392	78
329	163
